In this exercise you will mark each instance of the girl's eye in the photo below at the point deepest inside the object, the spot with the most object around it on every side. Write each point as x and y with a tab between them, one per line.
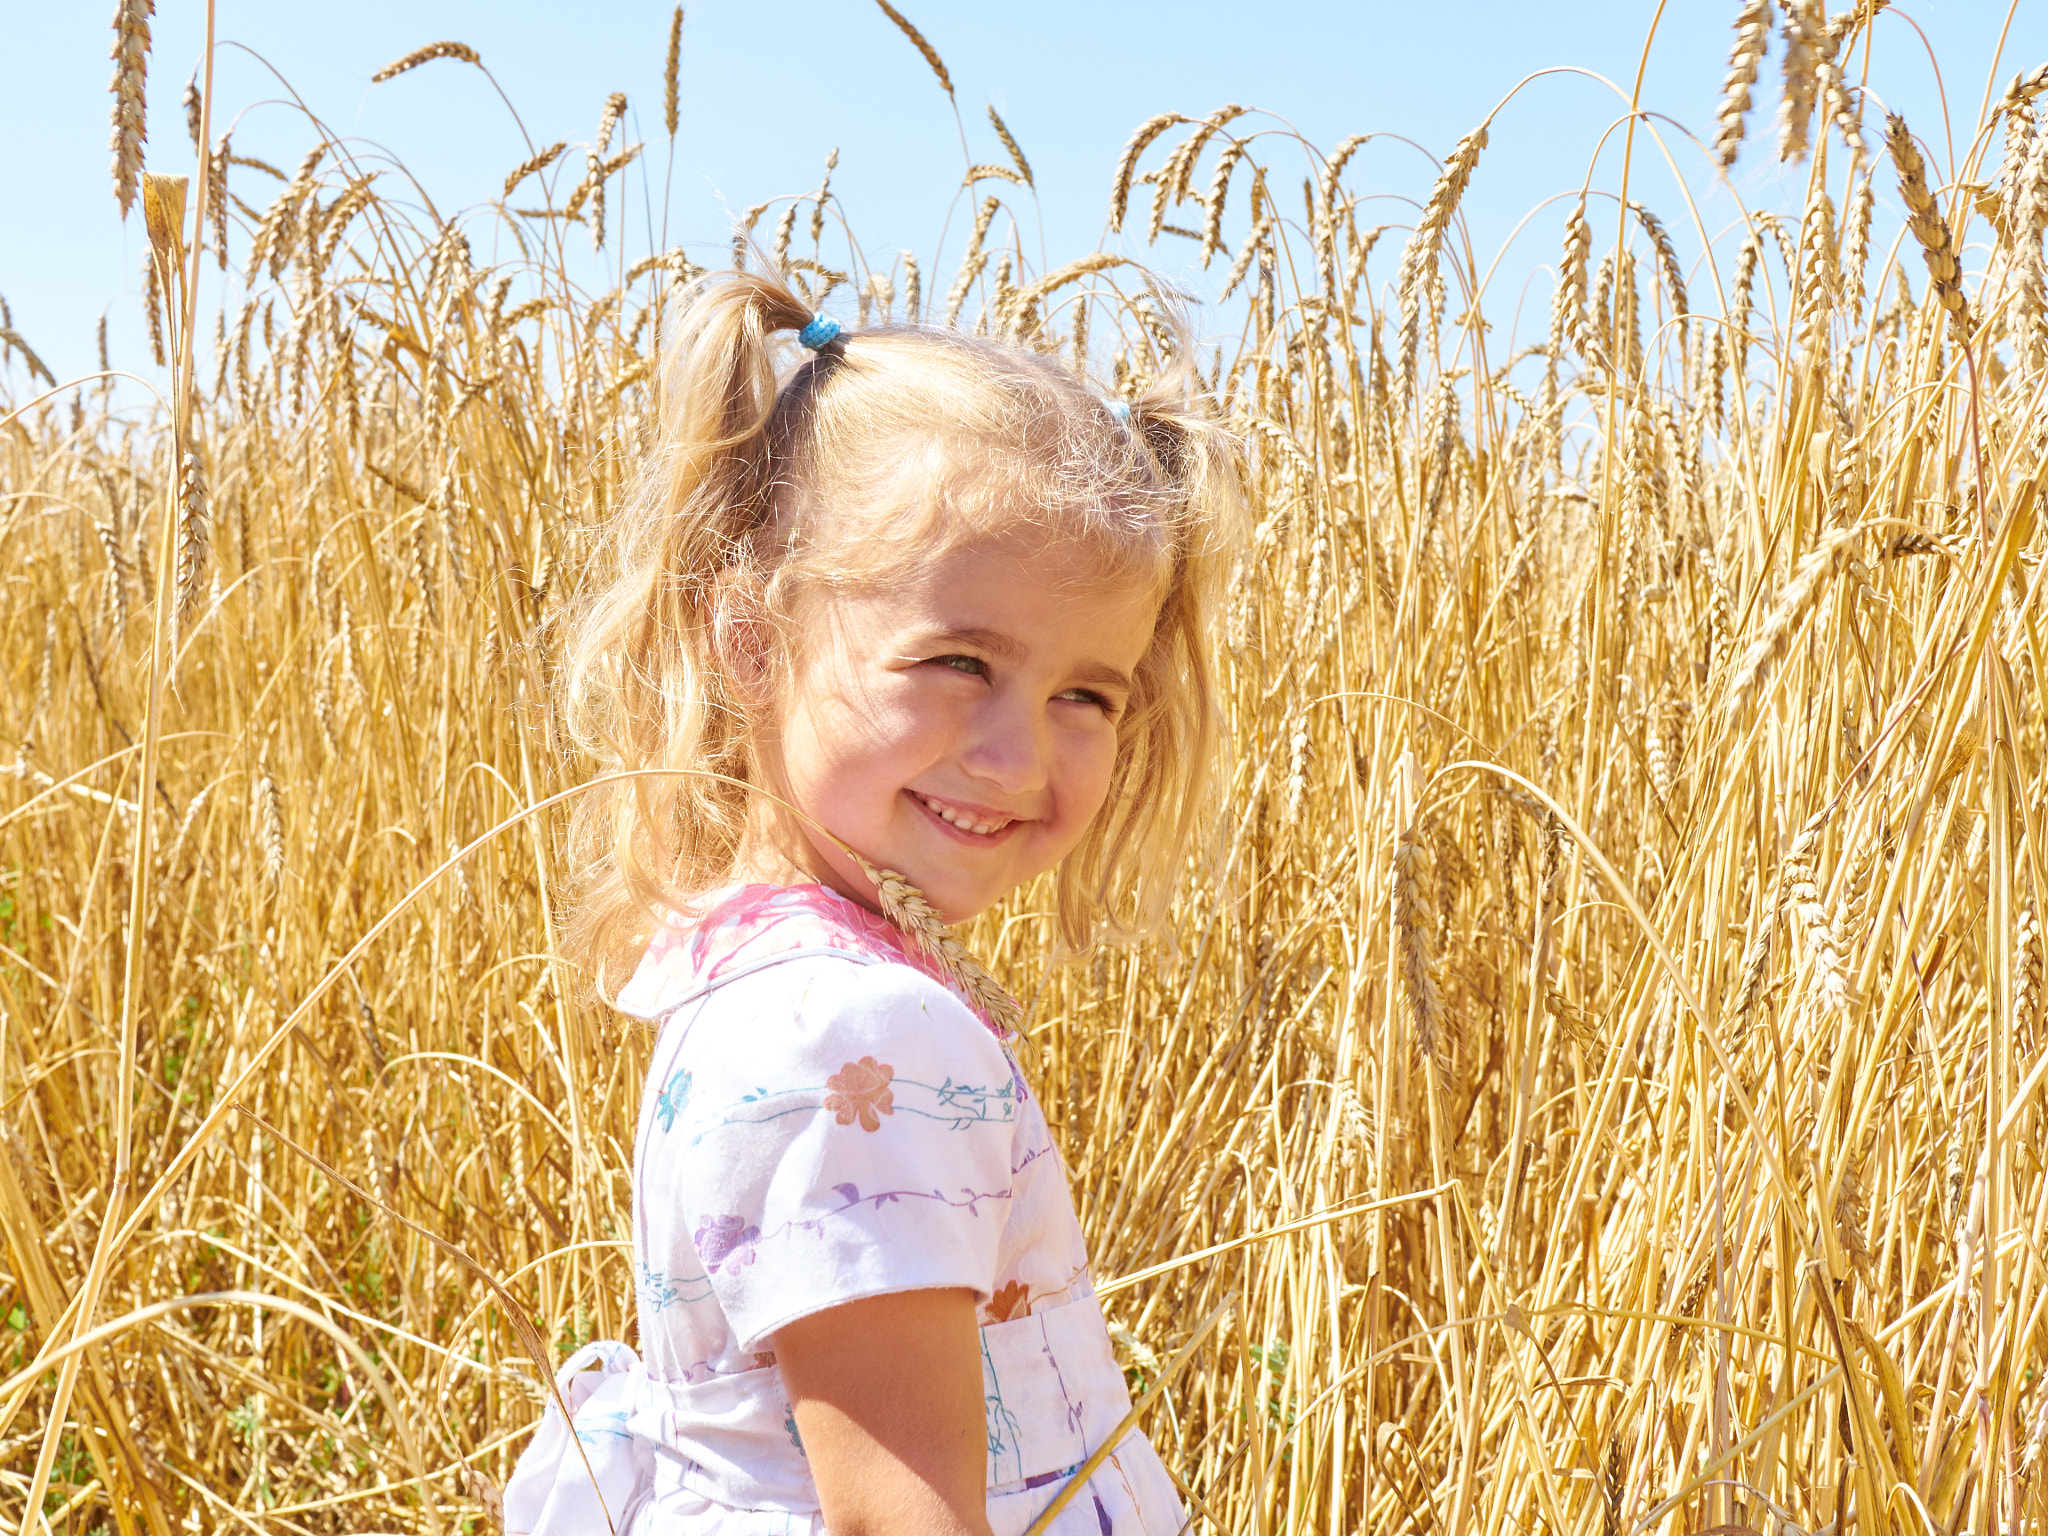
1090	696
973	666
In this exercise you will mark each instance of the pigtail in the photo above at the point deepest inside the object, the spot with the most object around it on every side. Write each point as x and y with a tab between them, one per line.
646	687
1162	793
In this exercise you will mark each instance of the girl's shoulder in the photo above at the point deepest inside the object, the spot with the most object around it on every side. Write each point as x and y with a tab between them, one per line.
740	929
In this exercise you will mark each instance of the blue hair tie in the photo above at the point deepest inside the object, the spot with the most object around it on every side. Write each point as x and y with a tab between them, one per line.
819	334
1120	409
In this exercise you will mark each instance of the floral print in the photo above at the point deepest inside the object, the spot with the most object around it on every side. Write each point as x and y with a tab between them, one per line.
1012	1299
860	1091
726	1242
673	1099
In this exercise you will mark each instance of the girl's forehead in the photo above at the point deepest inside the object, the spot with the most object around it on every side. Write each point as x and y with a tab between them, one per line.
1004	594
1024	565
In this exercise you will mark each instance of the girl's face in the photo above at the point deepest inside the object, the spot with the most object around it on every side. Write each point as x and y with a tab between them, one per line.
959	727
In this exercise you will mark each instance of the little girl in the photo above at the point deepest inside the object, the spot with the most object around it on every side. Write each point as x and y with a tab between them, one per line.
927	611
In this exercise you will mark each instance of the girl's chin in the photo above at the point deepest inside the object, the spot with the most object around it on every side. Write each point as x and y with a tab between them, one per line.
958	903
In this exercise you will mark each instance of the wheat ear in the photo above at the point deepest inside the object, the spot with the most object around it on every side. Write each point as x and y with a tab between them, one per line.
131	76
426	55
1010	143
1415	945
1927	224
913	914
1419	277
608	120
670	71
192	543
1752	32
1817	927
917	41
1808	579
1804	31
1127	163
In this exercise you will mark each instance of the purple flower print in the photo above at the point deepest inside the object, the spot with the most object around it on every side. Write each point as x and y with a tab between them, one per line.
726	1241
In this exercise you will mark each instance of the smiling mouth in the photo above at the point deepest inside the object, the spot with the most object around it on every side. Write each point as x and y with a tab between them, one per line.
973	823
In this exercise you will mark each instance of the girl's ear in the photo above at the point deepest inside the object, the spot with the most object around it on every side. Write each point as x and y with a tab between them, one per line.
745	638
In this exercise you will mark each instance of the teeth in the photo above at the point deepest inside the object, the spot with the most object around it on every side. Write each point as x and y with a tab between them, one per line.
960	819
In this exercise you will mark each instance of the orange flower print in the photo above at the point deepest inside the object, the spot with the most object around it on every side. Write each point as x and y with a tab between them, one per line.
1011	1300
860	1091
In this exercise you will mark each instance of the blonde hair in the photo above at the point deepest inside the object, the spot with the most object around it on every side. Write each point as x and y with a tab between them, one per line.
761	489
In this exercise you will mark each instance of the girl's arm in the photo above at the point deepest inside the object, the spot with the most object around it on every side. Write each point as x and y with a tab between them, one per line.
888	1400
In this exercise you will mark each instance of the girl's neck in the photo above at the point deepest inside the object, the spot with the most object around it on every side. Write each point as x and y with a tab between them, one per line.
773	853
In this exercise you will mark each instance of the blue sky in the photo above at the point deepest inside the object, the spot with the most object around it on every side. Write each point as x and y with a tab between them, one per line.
767	90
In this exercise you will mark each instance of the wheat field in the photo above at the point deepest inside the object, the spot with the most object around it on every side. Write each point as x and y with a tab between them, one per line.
1591	1081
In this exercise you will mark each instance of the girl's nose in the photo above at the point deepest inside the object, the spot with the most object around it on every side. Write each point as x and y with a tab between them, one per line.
1009	746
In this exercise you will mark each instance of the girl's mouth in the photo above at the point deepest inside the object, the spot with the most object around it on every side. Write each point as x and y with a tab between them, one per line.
979	827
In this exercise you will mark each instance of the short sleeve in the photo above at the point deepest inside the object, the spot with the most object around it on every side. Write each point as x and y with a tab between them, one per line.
846	1132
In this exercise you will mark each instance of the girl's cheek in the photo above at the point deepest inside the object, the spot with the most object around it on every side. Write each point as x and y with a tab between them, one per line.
1092	761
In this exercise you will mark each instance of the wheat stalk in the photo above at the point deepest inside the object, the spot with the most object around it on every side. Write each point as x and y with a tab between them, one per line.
1669	269
913	287
1219	191
2029	277
534	163
192	105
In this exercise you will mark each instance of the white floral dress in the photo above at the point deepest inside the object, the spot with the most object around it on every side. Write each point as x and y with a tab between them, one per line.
825	1119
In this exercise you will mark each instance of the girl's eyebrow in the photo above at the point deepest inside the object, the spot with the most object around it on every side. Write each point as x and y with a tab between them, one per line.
994	641
1100	674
